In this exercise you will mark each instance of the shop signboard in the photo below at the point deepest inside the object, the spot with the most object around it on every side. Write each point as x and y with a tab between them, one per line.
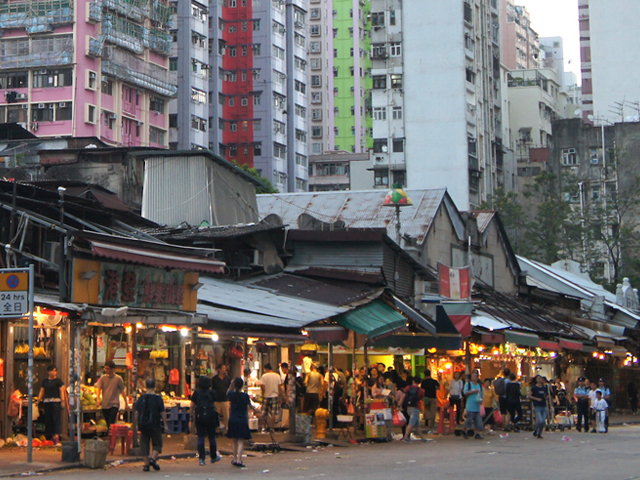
14	292
117	284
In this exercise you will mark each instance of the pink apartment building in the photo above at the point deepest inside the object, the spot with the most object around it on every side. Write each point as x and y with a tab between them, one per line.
87	69
520	47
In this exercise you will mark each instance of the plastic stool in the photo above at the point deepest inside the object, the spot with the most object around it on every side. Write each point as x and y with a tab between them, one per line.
124	433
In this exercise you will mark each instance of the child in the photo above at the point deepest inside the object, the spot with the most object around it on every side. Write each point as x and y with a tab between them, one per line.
601	410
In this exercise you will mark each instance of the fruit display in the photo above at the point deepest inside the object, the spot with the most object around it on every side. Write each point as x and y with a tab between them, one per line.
89	397
158	353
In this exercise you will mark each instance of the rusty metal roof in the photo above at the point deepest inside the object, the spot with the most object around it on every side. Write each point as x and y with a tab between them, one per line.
363	209
483	219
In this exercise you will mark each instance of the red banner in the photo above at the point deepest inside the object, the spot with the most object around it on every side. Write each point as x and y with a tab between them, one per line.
454	282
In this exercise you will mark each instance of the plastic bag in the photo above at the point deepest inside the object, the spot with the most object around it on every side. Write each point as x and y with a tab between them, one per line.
398	419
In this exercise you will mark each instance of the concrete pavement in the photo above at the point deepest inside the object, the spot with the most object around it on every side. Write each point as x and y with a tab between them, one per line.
13	461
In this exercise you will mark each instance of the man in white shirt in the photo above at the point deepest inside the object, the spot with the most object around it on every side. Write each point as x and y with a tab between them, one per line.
272	395
592	400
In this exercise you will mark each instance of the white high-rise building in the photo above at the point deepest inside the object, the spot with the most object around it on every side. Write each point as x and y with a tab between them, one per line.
608	35
449	86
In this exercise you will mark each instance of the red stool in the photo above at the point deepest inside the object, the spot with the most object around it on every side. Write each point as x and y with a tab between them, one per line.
124	433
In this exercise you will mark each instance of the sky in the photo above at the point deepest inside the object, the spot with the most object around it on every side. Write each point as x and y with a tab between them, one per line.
558	18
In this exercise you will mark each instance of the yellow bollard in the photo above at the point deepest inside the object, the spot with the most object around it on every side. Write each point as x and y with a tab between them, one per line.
321	422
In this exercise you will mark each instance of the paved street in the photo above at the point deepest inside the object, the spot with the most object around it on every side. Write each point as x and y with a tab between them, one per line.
615	456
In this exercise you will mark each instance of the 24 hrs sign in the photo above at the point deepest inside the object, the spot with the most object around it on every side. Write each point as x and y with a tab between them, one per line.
14	293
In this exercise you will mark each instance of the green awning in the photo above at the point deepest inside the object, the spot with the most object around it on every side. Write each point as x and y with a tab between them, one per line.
520	338
373	319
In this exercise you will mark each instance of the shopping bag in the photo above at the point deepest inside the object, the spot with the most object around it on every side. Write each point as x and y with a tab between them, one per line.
497	416
398	419
483	411
350	409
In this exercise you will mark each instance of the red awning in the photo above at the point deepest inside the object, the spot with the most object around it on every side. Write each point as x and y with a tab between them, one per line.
492	338
569	345
546	345
157	258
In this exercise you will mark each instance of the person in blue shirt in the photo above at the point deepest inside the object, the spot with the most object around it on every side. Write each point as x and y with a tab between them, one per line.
606	395
581	395
539	394
474	396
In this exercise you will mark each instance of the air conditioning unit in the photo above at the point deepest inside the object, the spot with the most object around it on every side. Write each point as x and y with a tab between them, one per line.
21	96
379	159
113	116
258	258
41	105
62	104
25	106
43	72
594	161
52	253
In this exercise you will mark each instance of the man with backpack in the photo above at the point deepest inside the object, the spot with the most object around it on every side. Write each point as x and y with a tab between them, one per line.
413	395
150	417
205	418
500	387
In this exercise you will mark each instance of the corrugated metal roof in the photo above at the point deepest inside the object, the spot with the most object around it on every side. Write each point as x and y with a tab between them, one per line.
225	315
357	209
483	219
251	299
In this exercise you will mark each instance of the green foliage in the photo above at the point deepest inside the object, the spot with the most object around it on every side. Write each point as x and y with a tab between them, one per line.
253	171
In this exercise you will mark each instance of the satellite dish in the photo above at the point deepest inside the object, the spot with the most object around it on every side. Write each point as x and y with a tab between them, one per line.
577	113
591	118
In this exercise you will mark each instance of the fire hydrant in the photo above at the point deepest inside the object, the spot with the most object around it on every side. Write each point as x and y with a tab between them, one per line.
321	422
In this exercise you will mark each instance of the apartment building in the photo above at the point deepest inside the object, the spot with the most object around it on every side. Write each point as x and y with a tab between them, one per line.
258	87
608	34
87	69
520	44
339	59
436	96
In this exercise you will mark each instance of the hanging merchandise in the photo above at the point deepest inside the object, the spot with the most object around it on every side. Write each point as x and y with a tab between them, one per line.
174	377
1	370
309	349
235	352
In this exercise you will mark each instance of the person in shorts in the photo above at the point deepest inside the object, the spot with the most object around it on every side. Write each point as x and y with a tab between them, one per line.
413	395
150	433
272	395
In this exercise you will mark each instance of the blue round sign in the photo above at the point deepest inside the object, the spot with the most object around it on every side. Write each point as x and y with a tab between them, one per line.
13	281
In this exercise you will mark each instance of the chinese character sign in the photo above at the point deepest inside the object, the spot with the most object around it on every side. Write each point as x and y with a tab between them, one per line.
140	286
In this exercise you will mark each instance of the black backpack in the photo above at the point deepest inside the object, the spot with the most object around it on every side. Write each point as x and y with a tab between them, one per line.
206	413
411	400
149	417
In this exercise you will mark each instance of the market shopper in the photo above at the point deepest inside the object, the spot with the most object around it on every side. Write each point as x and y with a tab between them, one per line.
455	395
514	407
413	394
313	385
606	395
149	417
500	387
220	385
592	413
430	386
205	418
238	420
53	397
473	397
272	396
539	395
110	387
601	408
490	402
581	396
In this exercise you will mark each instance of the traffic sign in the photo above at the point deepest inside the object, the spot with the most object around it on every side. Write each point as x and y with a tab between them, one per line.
14	292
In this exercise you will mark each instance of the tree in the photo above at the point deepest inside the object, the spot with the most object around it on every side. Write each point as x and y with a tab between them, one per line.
512	214
253	171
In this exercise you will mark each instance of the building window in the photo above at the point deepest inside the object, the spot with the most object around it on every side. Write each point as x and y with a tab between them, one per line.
379	81
316	132
256	25
198	123
314	47
245	51
377	19
316	148
398	145
43	112
316	97
316	114
257	149
233	3
156	135
299	63
257	125
301	160
381	177
397	113
233	150
52	78
279	151
279	127
379	113
278	52
301	136
256	74
198	96
257	99
380	145
157	104
316	64
396	80
90	114
470	74
316	80
233	126
256	49
301	111
314	14
569	156
299	39
396	49
314	30
300	87
392	17
92	80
